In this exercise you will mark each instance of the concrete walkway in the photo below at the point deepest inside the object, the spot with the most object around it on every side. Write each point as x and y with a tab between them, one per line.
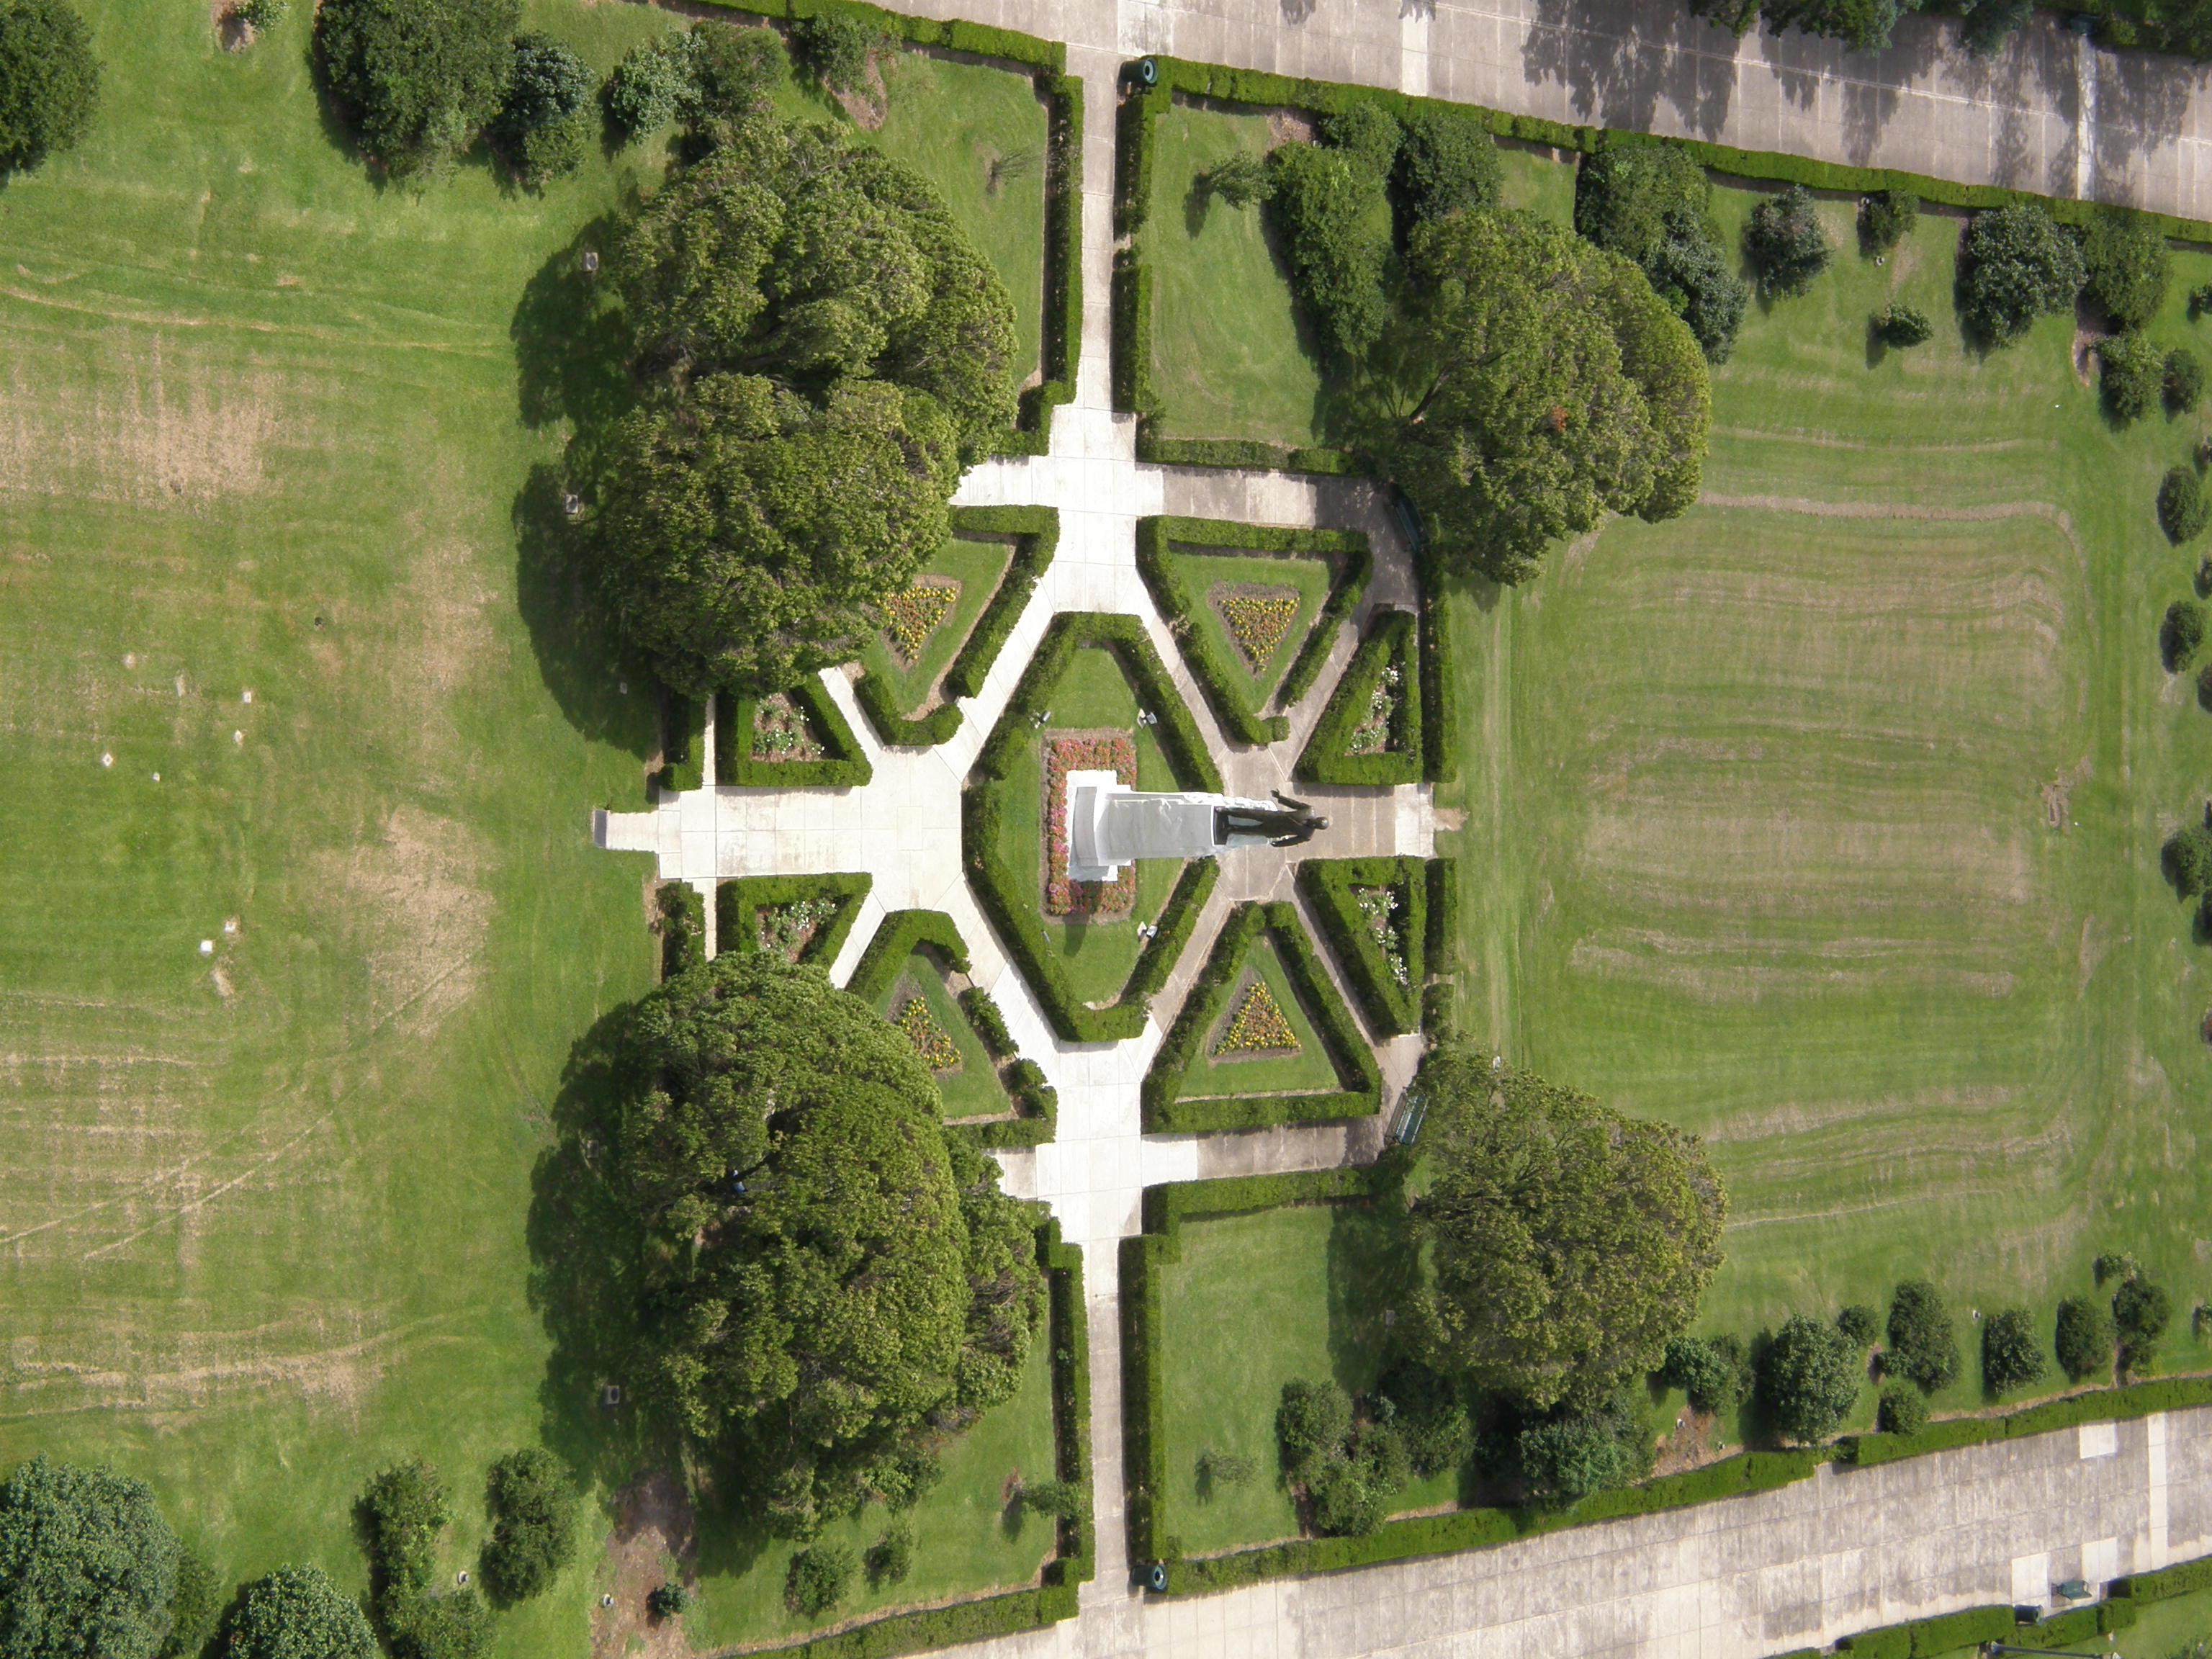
1734	1580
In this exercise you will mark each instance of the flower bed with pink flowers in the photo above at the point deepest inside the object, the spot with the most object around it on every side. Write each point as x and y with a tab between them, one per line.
1105	752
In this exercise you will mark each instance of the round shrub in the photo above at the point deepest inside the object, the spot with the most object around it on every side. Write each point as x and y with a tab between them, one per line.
1784	241
2126	266
296	1612
1312	1423
2012	1353
2085	1339
1886	218
1924	1347
259	15
2185	381
820	1575
890	1557
2131	375
834	45
49	81
1810	1378
1711	1371
2204	685
1901	1411
2016	265
541	126
419	78
1566	1460
2180	634
667	1600
1447	161
2187	858
534	1533
1903	325
87	1565
2140	1313
2181	508
1862	1324
653	85
1345	1503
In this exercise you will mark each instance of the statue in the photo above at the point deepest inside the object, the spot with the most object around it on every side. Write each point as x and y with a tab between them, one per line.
1110	824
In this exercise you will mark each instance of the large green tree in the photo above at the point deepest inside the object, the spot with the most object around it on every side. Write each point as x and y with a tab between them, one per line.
1562	388
843	1273
87	1565
1561	1245
822	348
419	78
49	81
296	1612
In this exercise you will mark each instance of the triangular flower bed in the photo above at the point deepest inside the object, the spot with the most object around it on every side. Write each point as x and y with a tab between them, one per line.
1254	609
800	918
910	690
1374	915
1204	1079
913	973
1371	733
794	739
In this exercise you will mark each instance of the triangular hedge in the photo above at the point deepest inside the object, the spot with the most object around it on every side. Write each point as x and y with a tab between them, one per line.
1329	886
844	767
738	902
1390	640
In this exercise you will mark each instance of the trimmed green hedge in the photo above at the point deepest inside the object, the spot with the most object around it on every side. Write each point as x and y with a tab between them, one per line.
897	937
1035	531
1348	550
2181	1579
738	903
1360	1093
1007	900
2097	1406
1439	690
684	753
846	766
683	928
1391	638
1392	1009
990	1024
1924	1638
1443	917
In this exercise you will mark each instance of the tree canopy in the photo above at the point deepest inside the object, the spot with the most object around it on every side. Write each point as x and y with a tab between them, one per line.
821	347
87	1565
542	126
49	81
2126	266
419	78
1562	1243
2016	265
296	1612
534	1531
845	1273
1923	1343
1651	203
1563	388
1809	1377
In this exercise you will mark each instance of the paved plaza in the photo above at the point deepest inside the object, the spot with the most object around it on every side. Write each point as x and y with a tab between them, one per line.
1736	1579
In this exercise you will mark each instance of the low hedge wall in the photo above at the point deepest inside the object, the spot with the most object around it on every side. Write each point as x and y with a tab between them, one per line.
1392	1009
1439	690
738	903
1361	1091
1924	1638
898	936
1443	916
2097	1406
1391	638
1143	1256
2182	1579
1009	901
990	1024
1035	531
684	751
1348	550
845	767
683	928
1077	1562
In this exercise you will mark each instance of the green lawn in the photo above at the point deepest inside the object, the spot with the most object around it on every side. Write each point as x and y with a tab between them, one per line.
966	1537
276	428
1309	1070
1239	1321
973	1090
977	567
1307	577
1092	694
1758	835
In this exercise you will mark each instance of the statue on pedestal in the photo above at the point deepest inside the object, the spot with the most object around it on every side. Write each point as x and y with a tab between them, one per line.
1110	825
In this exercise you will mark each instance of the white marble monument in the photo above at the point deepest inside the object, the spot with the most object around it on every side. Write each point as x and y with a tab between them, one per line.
1110	825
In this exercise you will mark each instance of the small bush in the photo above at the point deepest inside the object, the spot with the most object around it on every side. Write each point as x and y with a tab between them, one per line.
1345	1504
1240	180
1447	162
2085	1339
2012	1354
1990	23
1901	1411
1809	1377
2140	1313
1902	325
1924	1344
258	15
1712	1370
1324	203
2181	508
1221	1468
1886	218
2199	299
1312	1423
1862	1324
890	1557
2016	265
541	128
668	1599
196	1609
534	1531
836	46
1784	241
2126	264
821	1575
1063	1498
2185	381
655	84
2131	375
2186	858
907	1479
2180	634
1689	273
1429	1412
1566	1460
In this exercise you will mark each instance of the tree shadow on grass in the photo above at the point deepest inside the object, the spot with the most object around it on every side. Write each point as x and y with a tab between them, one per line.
571	344
1373	1273
580	658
